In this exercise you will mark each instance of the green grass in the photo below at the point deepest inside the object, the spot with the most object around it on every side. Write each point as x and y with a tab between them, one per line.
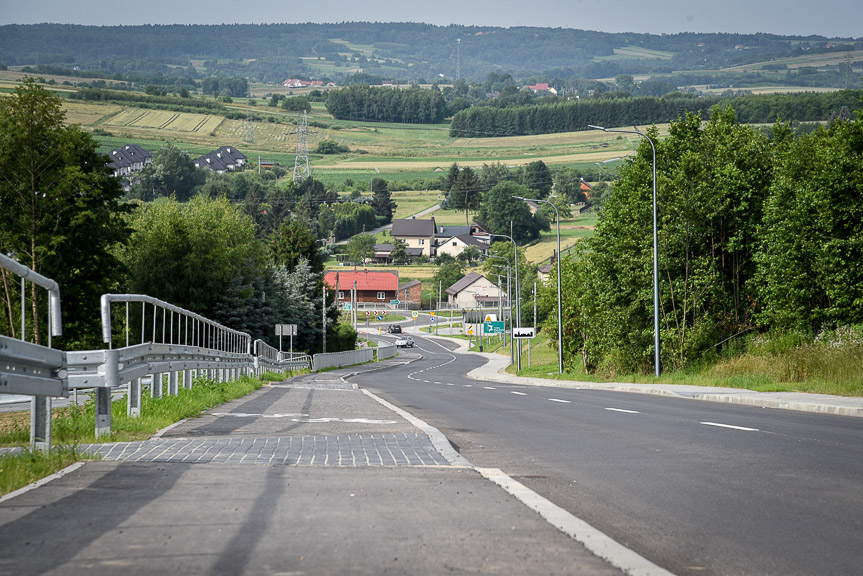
76	424
23	468
812	368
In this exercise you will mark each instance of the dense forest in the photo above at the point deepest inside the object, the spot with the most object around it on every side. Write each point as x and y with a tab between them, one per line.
491	121
406	51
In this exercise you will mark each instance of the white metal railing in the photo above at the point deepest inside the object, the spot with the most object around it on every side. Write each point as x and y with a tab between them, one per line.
31	369
268	358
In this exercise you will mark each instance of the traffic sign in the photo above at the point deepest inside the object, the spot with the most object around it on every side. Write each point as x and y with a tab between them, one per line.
381	317
470	331
286	329
493	327
347	306
368	313
491	317
432	312
524	332
432	320
415	314
395	302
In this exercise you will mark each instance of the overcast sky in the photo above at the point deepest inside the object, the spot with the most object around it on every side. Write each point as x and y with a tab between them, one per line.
832	18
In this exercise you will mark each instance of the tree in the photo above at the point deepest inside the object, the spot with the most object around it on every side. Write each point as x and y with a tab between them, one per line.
810	266
361	247
464	192
292	242
58	209
537	177
399	253
189	254
382	201
171	173
500	208
470	254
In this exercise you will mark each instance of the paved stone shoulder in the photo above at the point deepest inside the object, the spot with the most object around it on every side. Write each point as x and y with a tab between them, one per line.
345	450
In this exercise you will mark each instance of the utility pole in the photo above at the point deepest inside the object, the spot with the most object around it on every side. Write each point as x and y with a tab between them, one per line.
458	60
302	170
249	126
324	318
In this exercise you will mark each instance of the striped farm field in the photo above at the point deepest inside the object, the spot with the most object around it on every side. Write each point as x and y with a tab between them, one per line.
165	120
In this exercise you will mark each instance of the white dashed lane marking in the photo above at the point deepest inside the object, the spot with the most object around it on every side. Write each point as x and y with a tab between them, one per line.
718	425
489	388
561	401
622	410
517	393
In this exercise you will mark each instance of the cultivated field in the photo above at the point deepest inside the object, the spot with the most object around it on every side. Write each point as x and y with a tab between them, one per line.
149	120
805	61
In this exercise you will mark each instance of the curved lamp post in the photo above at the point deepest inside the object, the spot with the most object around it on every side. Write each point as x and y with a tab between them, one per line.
559	304
635	130
517	293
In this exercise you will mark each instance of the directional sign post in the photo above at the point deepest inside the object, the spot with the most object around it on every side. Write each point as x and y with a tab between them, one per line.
524	332
395	302
493	328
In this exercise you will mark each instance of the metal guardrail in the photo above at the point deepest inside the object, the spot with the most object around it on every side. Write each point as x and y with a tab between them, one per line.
341	359
269	359
32	369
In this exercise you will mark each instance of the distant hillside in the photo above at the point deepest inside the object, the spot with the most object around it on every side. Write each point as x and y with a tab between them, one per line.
413	52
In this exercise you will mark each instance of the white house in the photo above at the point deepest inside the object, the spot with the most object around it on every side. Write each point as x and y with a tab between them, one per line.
474	291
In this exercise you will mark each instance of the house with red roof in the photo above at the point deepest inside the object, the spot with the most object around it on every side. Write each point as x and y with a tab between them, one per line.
373	286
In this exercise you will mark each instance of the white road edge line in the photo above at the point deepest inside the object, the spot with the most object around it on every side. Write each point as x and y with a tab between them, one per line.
577	529
518	393
718	425
624	411
561	401
592	539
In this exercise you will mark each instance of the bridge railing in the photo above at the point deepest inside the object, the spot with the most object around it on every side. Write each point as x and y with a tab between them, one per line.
269	359
31	369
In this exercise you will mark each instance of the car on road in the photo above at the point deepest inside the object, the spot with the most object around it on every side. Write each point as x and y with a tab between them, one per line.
394	329
405	342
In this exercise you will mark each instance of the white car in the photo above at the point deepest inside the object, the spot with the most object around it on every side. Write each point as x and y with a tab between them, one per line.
405	342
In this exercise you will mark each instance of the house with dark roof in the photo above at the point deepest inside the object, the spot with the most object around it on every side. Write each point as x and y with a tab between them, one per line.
383	254
416	234
224	159
130	158
373	286
474	291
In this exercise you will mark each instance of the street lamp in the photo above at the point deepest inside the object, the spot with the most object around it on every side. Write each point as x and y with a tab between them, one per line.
517	293
559	304
635	130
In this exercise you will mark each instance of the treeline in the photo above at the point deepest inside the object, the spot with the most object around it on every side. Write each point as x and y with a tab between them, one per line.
757	237
488	121
411	106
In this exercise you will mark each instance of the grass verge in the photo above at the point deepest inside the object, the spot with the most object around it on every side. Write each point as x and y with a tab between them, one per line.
75	425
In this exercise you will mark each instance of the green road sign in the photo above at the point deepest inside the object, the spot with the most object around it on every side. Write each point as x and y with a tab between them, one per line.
395	302
492	328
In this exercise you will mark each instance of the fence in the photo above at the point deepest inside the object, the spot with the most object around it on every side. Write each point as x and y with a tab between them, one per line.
31	369
384	352
268	359
341	359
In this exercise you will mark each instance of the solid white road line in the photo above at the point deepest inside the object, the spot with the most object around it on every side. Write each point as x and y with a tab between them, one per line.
561	401
622	410
745	429
594	540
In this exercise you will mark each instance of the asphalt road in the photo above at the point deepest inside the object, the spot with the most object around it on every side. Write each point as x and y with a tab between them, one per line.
698	488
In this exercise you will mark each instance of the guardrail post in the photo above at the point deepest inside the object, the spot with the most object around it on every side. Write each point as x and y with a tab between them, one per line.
187	379
133	400
156	386
40	423
111	371
174	385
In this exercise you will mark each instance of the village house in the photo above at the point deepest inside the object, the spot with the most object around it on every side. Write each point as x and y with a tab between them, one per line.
457	244
373	286
474	291
130	158
225	159
416	234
